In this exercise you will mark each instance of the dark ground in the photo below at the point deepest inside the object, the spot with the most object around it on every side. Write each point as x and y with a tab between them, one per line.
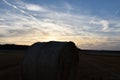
10	64
91	67
99	67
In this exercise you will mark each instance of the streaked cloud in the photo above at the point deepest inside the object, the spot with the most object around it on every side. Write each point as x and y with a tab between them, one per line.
33	22
105	25
34	7
92	21
1	19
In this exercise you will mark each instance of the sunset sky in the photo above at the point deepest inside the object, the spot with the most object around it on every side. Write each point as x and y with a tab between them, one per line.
91	24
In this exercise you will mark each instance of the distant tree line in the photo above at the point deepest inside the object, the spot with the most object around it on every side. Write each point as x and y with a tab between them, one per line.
13	47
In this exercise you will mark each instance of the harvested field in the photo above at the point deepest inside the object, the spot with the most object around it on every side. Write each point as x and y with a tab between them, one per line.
91	67
10	64
95	67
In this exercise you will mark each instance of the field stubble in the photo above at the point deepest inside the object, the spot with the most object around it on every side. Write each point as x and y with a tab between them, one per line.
91	67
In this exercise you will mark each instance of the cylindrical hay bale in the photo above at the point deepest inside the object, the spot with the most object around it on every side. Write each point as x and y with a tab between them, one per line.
50	61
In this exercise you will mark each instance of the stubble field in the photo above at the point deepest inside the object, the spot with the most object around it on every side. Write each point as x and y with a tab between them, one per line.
91	67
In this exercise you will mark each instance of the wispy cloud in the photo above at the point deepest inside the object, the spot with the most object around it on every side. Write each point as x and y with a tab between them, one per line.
105	25
32	7
92	20
9	4
31	23
68	7
1	19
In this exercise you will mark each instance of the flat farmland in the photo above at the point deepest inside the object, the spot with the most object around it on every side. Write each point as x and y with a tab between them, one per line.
10	64
98	67
91	67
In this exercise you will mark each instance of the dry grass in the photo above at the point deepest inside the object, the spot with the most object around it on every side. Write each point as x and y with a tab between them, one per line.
91	67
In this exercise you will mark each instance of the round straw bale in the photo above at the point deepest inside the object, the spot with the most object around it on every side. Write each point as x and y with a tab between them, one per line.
50	61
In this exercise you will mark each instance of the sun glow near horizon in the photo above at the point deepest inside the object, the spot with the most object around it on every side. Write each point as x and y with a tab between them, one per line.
29	21
80	41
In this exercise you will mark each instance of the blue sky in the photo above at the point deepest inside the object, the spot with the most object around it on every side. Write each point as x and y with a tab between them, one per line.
91	24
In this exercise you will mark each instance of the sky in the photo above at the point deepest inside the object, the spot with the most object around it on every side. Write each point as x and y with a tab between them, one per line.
91	24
